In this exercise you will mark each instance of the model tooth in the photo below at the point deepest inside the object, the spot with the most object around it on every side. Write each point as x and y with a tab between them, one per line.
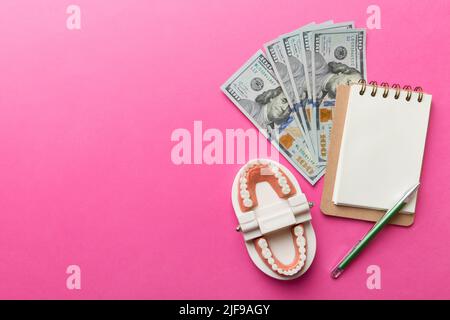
282	180
301	242
278	174
286	190
284	186
262	243
302	250
266	253
243	186
243	180
274	267
298	230
271	261
263	161
248	202
302	257
245	194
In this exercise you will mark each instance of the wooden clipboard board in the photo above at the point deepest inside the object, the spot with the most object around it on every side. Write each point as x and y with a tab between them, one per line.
326	205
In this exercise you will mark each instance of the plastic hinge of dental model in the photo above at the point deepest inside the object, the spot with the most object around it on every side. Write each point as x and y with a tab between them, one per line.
261	221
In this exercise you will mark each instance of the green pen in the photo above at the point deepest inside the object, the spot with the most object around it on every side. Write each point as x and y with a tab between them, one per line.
337	271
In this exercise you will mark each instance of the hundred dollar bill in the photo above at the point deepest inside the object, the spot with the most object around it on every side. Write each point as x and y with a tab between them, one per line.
339	57
291	49
276	55
277	60
274	51
257	93
306	48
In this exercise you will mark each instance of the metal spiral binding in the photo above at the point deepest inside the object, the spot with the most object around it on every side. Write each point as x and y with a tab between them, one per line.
385	87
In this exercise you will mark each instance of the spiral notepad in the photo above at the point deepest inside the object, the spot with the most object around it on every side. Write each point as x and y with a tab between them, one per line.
376	149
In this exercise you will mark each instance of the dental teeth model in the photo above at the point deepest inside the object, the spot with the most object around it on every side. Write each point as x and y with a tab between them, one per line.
274	218
276	265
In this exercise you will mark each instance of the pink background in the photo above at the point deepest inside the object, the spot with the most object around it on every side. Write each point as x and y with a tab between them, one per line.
86	176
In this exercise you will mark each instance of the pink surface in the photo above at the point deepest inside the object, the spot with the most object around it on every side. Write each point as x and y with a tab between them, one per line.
86	175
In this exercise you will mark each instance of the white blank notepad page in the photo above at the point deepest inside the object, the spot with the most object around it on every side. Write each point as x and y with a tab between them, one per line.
381	150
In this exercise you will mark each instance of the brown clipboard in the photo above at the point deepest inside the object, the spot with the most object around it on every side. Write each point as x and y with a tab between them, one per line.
326	205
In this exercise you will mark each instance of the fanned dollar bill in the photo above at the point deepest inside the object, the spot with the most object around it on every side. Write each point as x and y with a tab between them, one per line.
277	60
255	90
339	57
306	48
291	50
274	51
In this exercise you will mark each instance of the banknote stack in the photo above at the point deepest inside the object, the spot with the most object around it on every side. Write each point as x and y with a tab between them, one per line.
288	90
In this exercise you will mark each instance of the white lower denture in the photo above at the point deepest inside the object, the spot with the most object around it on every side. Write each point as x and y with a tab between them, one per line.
274	264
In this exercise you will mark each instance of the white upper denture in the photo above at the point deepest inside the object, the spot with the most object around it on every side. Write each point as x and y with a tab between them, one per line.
244	193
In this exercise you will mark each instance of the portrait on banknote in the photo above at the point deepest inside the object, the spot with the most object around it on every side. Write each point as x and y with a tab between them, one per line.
330	75
269	109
